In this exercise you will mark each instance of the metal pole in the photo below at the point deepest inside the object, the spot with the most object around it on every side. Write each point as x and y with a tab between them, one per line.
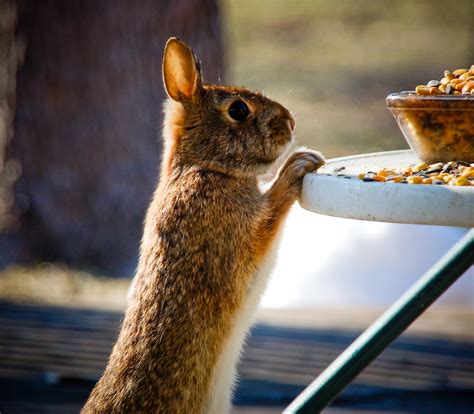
386	329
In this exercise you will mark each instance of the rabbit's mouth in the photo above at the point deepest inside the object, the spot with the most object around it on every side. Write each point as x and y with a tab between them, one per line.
284	137
282	129
280	144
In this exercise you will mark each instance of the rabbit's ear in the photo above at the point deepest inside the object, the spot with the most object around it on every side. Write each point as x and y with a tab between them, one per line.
181	72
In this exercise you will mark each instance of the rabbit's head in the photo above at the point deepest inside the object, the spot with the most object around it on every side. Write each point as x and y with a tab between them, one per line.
224	128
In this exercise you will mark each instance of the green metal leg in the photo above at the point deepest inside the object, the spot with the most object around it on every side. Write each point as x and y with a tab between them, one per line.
386	329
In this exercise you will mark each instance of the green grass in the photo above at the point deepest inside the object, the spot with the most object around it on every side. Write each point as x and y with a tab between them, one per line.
333	63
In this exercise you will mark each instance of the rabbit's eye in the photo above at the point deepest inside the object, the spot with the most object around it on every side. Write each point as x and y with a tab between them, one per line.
238	110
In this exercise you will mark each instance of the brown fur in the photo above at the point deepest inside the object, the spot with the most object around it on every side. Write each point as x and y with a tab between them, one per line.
207	230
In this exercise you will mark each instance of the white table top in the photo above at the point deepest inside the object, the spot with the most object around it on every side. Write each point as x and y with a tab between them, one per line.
340	196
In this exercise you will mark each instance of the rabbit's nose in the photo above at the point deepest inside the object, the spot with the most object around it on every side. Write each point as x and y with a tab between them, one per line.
291	120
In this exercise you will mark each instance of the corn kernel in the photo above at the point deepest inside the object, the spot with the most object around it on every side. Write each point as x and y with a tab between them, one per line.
468	87
427	181
462	181
385	173
422	90
420	167
415	180
459	72
394	178
460	85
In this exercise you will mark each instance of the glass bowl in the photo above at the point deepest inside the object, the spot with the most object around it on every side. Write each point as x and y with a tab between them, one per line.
438	128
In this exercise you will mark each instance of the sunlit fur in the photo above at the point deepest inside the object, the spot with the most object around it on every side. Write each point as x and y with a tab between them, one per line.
205	255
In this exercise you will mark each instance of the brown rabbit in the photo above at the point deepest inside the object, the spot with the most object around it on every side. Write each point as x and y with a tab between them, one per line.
207	249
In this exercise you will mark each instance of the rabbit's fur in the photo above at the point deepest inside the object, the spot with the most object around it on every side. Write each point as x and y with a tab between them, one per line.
206	249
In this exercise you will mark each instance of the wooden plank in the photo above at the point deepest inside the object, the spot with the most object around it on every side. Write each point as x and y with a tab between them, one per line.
55	347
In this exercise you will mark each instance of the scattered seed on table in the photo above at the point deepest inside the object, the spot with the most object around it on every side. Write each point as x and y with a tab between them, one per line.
457	173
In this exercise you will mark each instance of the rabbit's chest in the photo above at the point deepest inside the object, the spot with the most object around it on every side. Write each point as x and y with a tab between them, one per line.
225	370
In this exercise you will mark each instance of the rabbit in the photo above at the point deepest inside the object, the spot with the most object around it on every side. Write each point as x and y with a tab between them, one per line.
208	246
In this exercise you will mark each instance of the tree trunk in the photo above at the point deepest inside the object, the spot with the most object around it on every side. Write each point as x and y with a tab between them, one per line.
88	121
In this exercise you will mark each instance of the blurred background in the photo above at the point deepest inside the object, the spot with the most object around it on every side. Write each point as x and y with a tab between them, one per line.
80	143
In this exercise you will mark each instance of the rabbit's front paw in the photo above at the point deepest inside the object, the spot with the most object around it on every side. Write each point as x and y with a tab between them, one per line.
296	167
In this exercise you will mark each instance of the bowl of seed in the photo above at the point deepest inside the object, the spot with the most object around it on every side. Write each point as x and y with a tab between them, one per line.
437	119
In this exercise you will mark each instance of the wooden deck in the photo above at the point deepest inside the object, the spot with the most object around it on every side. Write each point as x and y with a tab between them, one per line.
50	358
